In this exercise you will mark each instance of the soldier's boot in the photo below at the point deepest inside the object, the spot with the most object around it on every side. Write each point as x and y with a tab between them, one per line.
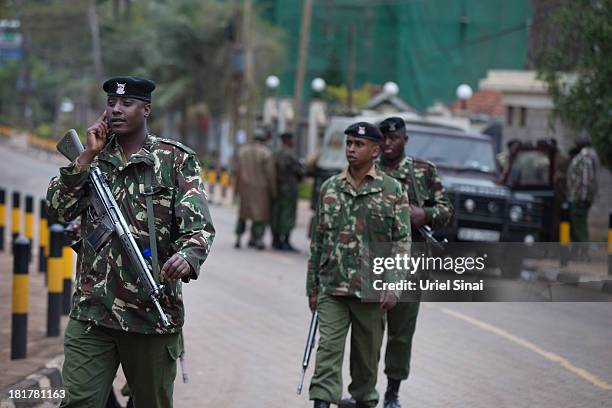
237	244
347	403
286	245
320	404
276	241
392	394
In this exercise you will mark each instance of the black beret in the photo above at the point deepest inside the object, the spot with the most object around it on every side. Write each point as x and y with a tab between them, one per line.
392	124
364	130
129	87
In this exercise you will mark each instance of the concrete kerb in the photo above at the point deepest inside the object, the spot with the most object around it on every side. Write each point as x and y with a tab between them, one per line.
48	377
572	278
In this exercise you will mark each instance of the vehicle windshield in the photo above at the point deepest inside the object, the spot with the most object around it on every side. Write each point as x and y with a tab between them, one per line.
452	151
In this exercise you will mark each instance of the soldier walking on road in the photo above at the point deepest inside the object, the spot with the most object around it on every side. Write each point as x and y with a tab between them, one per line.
581	190
362	214
289	173
429	205
256	187
112	321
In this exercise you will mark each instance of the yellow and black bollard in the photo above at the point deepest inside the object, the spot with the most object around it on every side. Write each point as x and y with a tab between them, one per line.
15	217
19	330
225	182
212	181
564	235
54	280
2	217
610	244
43	237
29	222
67	256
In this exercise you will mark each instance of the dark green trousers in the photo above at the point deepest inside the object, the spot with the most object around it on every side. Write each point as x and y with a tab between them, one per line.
257	229
579	222
93	354
283	215
367	323
401	323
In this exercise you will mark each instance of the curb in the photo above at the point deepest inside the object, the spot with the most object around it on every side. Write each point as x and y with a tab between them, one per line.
597	283
48	377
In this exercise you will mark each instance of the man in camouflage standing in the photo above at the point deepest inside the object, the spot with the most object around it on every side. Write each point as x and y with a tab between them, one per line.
429	205
362	214
256	187
112	321
581	190
289	173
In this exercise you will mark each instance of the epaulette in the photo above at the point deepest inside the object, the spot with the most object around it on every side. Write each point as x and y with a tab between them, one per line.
423	163
178	144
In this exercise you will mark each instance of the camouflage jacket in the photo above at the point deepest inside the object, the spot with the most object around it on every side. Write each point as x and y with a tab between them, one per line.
582	177
289	172
108	291
351	228
424	190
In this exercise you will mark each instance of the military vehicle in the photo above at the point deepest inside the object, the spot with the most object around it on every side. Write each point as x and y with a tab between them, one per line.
485	211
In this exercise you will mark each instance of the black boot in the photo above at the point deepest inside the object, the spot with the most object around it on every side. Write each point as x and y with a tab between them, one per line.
237	244
392	394
276	241
347	403
286	246
320	404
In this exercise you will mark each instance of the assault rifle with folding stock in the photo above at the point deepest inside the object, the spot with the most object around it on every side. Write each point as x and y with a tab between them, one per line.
310	341
427	233
112	221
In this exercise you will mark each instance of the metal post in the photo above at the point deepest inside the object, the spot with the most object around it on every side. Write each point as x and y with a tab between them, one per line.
43	236
29	222
19	330
67	256
15	217
54	281
2	217
564	235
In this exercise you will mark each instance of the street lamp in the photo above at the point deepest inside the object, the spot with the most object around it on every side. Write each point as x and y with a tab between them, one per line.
464	92
272	82
316	115
391	88
318	85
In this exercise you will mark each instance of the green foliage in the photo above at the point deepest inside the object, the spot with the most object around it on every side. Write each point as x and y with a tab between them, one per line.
338	96
578	70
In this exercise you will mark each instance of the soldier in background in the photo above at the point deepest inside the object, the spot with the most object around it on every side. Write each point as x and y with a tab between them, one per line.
362	214
256	187
289	173
112	321
581	190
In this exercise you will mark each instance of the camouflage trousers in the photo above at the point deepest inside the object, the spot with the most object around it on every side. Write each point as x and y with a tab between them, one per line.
283	215
367	323
93	354
401	323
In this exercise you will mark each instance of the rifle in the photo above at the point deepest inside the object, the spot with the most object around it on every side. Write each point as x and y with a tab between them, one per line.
310	342
112	221
427	233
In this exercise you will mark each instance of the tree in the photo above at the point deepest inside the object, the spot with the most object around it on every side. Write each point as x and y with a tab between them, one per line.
576	65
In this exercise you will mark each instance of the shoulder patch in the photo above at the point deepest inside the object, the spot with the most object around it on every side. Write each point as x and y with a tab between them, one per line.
178	144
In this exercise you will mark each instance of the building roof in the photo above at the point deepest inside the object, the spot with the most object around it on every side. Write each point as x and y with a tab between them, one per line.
488	102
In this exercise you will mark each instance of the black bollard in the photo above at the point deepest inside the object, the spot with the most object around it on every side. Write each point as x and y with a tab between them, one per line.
54	280
19	330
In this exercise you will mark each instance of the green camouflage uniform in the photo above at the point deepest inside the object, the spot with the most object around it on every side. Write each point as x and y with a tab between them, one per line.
420	179
289	172
350	228
581	192
109	301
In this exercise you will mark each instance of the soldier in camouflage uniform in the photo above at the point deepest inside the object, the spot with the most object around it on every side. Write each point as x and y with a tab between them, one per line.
112	321
289	172
429	205
581	190
362	214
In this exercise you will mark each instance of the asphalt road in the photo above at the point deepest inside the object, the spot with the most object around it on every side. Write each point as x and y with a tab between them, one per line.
247	320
